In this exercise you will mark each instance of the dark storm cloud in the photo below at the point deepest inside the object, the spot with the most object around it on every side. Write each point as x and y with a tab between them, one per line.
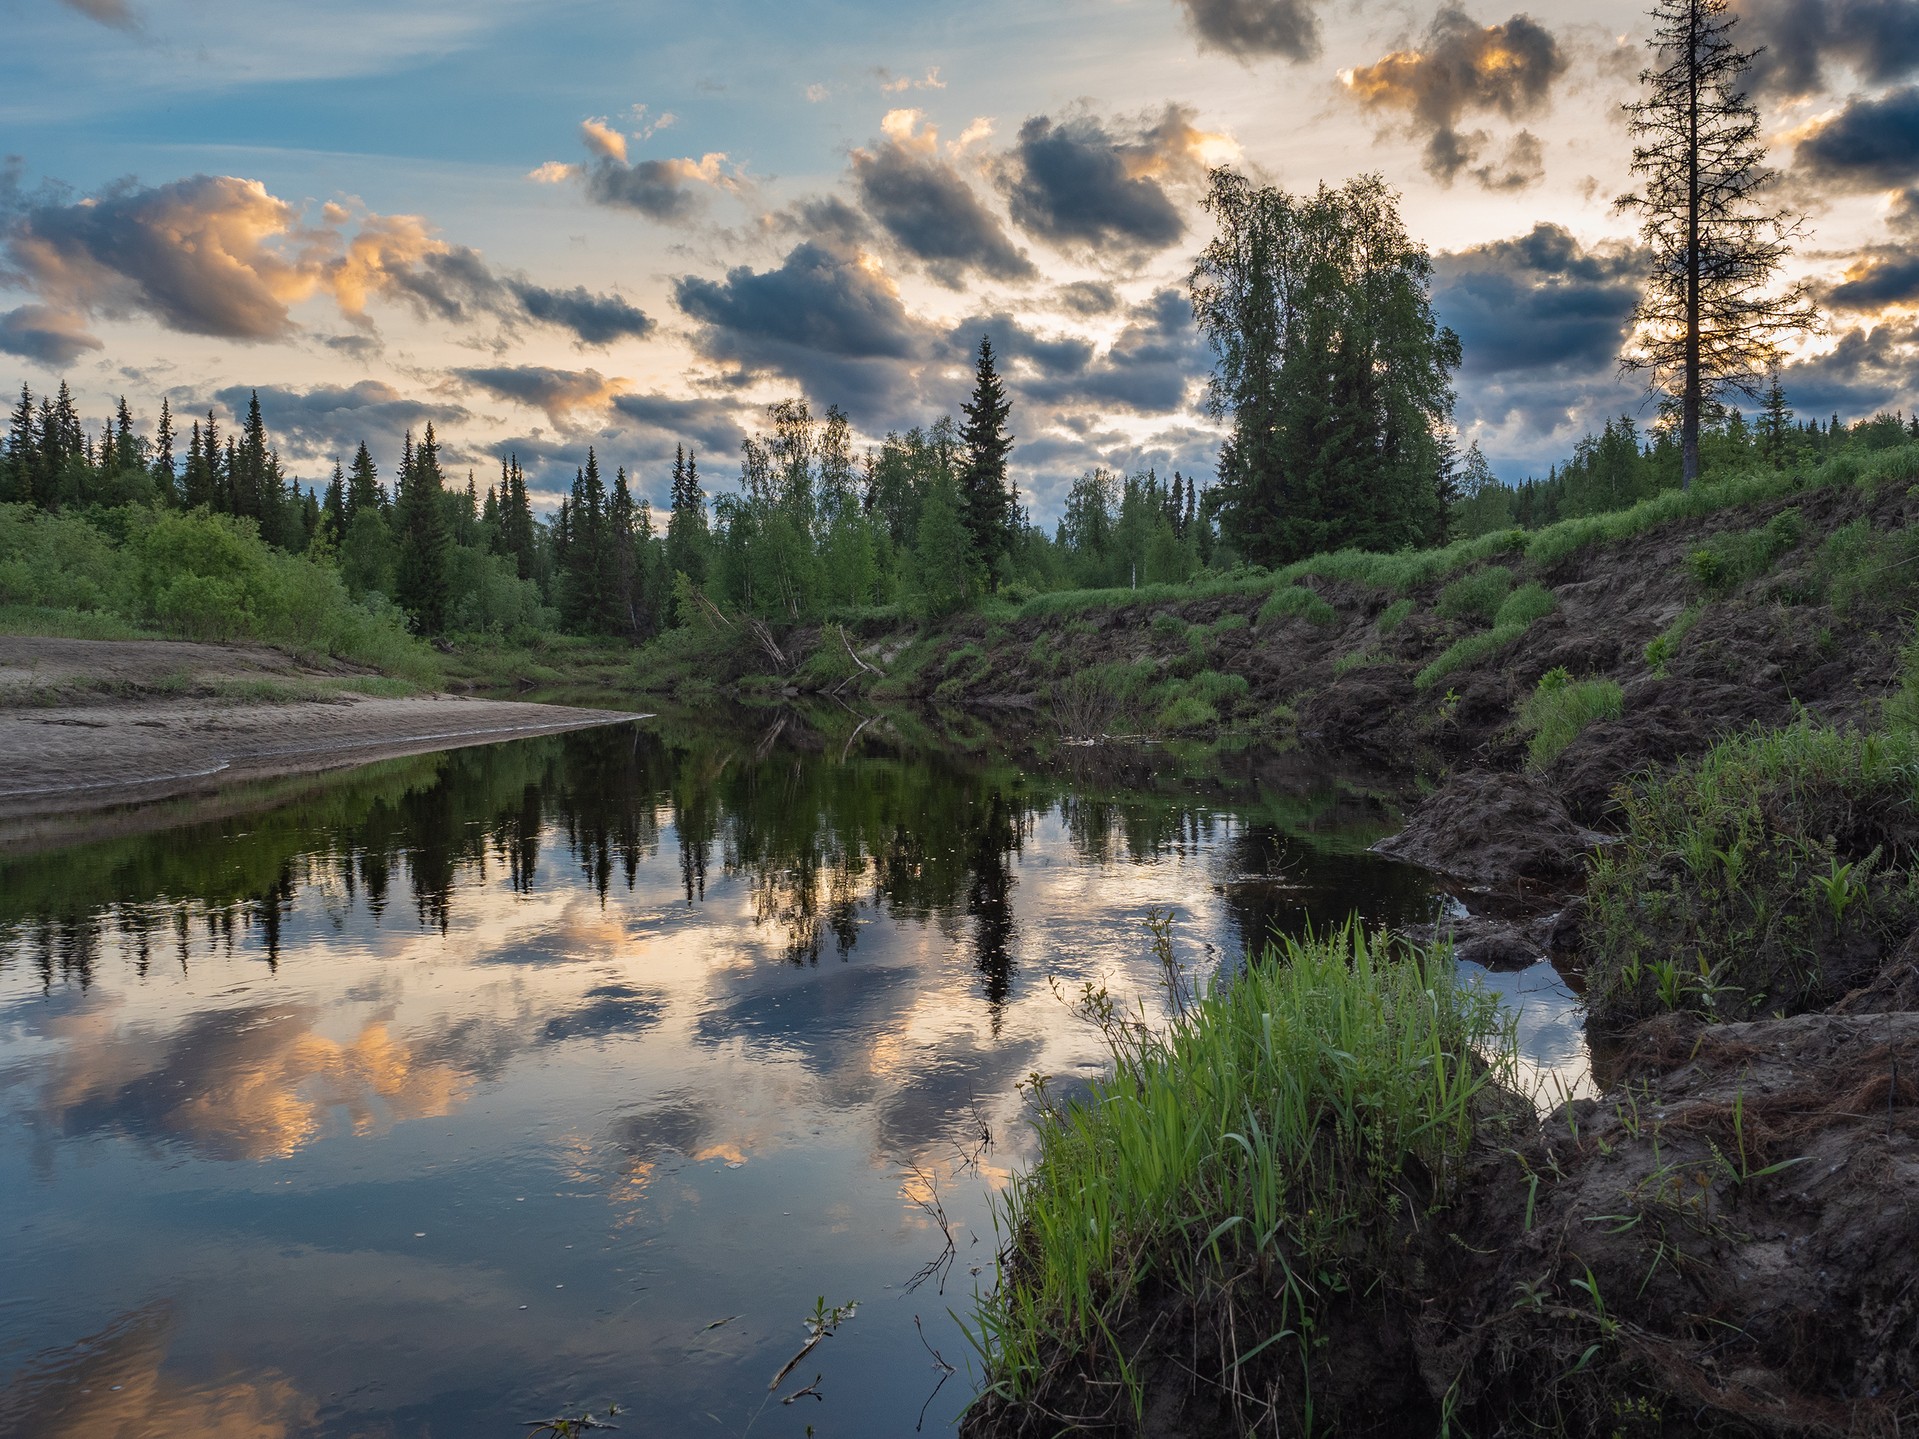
50	336
558	392
593	319
329	421
1888	275
1872	144
826	320
1253	29
1464	68
458	285
824	219
714	425
1148	369
1799	41
1087	297
1540	320
933	214
1865	372
659	189
1086	181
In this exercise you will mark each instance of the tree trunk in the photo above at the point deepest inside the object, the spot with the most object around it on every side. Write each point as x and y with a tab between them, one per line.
1689	402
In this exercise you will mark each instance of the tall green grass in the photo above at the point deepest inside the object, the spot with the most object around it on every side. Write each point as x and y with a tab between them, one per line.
1560	708
1261	1151
1290	600
1757	878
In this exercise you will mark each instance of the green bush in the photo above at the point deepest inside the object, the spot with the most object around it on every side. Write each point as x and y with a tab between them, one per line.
1467	651
1524	605
1769	876
1291	600
1393	616
1664	645
1859	566
1256	1158
1559	709
1168	623
1476	596
1730	558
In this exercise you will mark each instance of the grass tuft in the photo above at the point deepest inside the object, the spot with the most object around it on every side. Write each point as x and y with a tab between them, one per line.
1263	1151
1560	708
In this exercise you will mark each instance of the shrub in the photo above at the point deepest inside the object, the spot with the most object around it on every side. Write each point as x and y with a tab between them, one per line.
1730	558
1771	875
1168	623
1559	709
1524	605
1467	651
1255	1157
1292	600
56	561
1357	660
1664	645
1476	596
1857	564
1393	616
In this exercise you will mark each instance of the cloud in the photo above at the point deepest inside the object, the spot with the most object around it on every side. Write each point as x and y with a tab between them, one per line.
115	14
219	255
328	421
893	84
833	322
52	337
930	211
1878	279
1087	297
1462	68
1799	41
672	191
1540	320
1254	28
558	392
1086	181
1148	369
715	424
1866	371
1871	144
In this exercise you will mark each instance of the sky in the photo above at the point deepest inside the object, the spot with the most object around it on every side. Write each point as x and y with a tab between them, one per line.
547	226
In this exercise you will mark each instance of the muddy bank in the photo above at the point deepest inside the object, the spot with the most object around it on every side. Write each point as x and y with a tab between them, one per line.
87	726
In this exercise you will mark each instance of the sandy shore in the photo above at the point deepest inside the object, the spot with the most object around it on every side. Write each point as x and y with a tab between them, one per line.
89	724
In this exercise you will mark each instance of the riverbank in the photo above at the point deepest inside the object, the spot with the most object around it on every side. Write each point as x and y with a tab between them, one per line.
86	725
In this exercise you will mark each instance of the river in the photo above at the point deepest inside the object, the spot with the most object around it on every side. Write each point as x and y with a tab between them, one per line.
468	1090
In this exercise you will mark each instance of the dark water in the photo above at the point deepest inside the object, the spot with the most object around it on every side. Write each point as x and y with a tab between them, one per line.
444	1095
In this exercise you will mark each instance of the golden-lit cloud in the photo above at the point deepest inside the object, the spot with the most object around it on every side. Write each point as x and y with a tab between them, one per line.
220	255
1463	67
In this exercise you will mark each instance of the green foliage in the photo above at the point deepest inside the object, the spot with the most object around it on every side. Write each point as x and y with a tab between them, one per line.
1476	596
1858	567
946	572
1529	602
1560	708
1356	660
1197	703
200	576
1732	557
1256	1154
1393	616
1720	896
1664	645
1470	650
1296	600
1331	365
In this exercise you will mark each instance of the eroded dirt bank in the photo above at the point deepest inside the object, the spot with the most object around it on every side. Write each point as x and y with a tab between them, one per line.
86	725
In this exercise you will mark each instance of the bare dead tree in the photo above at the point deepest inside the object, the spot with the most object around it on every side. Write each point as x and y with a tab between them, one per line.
1712	315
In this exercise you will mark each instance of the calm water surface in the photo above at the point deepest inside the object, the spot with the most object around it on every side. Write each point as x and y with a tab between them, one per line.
460	1090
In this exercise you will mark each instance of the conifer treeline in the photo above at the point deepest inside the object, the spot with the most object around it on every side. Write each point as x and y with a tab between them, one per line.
929	520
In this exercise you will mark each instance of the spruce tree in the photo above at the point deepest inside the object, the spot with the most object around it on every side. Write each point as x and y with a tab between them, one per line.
333	512
22	452
621	608
197	484
987	500
1710	318
1775	423
164	478
363	486
516	523
686	528
421	579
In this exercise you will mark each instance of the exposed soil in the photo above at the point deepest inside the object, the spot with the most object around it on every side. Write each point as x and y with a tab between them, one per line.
1726	1242
90	724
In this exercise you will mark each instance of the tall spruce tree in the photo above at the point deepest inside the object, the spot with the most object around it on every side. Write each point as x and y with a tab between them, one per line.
988	503
363	486
687	533
1711	316
422	583
22	455
165	480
